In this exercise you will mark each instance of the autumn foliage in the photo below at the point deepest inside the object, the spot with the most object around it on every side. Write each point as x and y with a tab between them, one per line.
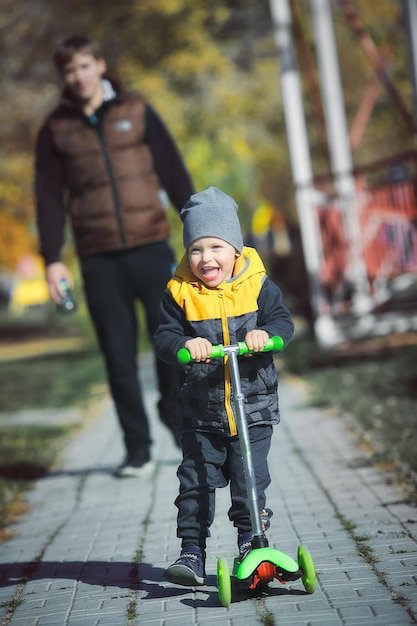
17	235
211	70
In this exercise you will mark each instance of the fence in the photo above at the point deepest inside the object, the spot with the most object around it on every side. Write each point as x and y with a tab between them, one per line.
378	257
388	236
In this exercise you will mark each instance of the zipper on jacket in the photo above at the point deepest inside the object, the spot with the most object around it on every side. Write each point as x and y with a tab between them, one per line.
98	126
227	383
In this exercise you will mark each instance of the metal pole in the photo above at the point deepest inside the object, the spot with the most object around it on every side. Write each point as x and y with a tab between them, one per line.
332	94
409	8
298	146
244	440
339	148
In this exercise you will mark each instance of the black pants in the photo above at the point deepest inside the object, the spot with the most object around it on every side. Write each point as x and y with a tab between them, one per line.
112	284
211	461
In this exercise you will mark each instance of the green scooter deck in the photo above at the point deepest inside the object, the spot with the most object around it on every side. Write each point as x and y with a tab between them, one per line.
244	569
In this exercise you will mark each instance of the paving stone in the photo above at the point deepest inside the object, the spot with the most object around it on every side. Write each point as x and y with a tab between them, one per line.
74	557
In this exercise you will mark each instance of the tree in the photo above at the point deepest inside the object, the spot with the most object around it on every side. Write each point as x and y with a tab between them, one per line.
210	68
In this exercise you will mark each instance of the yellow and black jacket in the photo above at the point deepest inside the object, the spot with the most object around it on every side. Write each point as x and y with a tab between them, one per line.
223	315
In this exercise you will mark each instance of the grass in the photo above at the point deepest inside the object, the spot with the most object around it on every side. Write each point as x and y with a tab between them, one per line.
375	382
51	381
28	452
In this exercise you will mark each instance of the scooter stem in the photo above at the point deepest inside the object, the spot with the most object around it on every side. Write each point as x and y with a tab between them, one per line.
245	447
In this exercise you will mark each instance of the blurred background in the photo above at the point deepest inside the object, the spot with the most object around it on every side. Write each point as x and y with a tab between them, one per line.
303	111
217	74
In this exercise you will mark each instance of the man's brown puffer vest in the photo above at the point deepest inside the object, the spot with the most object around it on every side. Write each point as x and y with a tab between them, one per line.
113	188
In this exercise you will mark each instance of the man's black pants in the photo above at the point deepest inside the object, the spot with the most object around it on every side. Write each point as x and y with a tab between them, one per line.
112	283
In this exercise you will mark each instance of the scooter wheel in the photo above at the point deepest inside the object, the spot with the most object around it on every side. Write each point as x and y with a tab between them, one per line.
306	564
224	583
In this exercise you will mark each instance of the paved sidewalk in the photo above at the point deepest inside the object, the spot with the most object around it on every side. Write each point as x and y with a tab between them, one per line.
93	549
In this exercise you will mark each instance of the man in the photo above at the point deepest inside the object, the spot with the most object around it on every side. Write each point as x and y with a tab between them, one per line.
104	156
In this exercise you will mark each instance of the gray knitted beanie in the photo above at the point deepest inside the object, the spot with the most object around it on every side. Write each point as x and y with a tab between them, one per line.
211	213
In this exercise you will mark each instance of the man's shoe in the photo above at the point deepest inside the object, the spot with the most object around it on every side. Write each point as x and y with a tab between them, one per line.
128	470
188	569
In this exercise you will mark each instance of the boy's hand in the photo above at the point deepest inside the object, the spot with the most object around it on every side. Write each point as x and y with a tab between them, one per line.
256	339
199	349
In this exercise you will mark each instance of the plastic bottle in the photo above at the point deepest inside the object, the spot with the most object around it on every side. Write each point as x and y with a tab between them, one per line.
67	302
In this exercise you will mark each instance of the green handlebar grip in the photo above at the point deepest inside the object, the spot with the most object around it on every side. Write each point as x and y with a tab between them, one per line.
274	344
217	351
183	356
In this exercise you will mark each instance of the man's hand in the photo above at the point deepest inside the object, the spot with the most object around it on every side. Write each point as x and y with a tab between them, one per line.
53	274
199	349
256	339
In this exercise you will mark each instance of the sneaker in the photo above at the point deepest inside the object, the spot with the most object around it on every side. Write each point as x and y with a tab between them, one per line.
135	471
244	543
188	569
266	515
244	540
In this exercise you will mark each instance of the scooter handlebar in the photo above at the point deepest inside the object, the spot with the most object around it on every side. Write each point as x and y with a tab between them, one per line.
274	344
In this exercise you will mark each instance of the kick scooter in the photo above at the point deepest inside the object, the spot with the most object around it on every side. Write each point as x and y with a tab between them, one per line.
262	564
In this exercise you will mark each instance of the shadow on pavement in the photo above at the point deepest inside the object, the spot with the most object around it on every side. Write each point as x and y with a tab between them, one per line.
30	471
152	582
105	573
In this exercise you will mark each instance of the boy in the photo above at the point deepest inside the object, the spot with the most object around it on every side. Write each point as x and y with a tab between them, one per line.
103	155
220	293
